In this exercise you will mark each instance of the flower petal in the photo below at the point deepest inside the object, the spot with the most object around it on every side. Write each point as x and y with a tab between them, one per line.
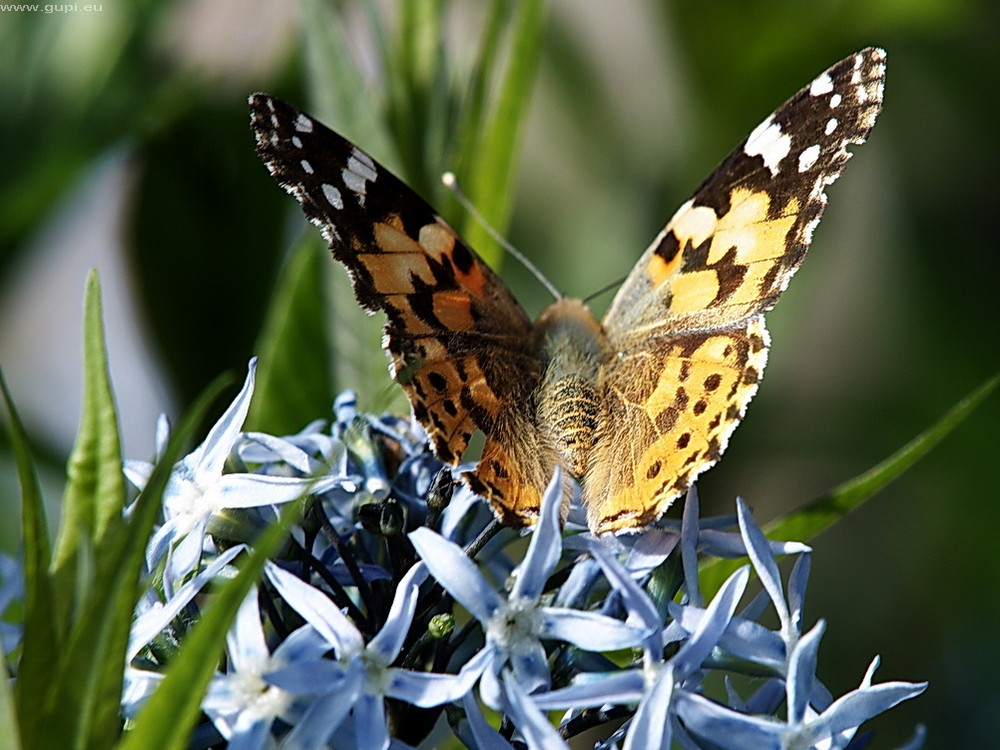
208	459
689	547
545	546
801	673
313	729
594	689
369	722
317	609
763	562
589	630
389	640
726	728
705	637
651	723
456	573
855	708
533	725
484	736
255	490
426	689
153	621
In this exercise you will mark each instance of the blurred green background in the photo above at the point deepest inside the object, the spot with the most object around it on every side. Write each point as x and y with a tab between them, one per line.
124	144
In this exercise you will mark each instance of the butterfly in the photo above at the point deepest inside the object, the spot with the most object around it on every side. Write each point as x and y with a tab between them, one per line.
636	406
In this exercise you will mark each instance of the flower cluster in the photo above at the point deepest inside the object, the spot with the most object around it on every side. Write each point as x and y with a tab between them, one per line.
399	611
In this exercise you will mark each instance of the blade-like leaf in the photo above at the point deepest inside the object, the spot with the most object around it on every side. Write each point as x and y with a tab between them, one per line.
92	512
10	735
807	522
41	644
94	495
85	687
167	719
295	371
413	63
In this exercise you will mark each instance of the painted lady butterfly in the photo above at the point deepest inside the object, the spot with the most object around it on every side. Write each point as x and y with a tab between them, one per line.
637	406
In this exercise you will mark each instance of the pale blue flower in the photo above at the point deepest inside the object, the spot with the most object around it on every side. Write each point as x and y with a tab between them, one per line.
515	625
198	488
361	677
242	703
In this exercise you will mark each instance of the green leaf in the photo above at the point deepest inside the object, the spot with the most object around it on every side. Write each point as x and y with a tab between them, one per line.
10	735
95	488
70	675
40	647
169	716
92	513
295	371
808	522
91	668
492	165
417	98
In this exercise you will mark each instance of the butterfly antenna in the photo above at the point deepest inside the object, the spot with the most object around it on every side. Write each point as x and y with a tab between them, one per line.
451	182
603	289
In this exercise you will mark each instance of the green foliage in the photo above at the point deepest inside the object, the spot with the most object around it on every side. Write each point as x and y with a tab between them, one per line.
169	716
809	521
80	597
293	379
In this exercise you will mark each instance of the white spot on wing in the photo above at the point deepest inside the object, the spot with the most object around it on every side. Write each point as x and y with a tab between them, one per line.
835	100
303	124
808	157
362	164
822	85
354	181
333	196
831	125
306	166
769	142
296	141
359	171
367	166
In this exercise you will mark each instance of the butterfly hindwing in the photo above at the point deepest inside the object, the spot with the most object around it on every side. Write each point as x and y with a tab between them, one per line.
460	343
694	303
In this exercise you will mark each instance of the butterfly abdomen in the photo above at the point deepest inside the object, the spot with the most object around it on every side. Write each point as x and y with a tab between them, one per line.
572	346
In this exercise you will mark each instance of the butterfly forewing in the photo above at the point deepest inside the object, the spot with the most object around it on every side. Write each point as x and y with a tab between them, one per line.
687	325
454	332
730	250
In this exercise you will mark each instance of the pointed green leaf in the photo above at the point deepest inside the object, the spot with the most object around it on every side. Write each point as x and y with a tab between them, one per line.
807	522
169	716
87	682
40	647
95	488
295	371
92	508
414	60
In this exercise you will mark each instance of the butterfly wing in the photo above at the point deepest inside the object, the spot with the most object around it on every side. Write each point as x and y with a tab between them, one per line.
460	343
687	325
